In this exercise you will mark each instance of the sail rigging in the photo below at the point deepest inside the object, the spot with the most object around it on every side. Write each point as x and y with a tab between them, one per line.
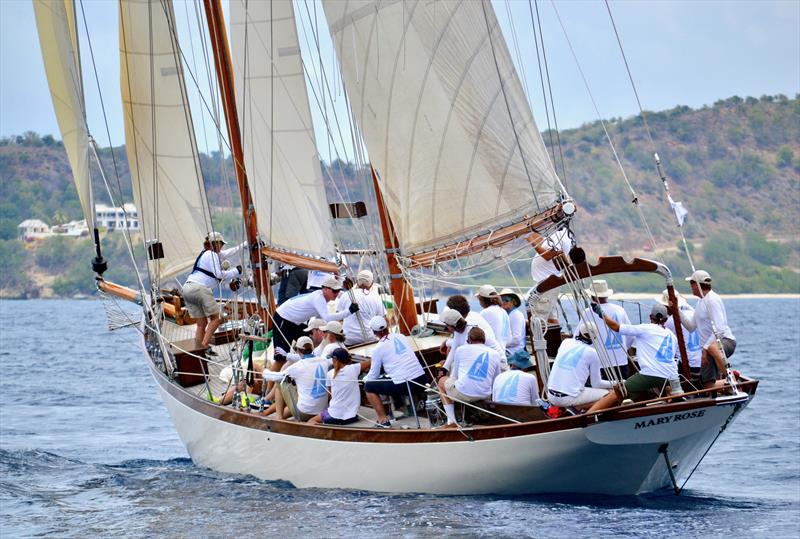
162	151
58	39
443	115
280	151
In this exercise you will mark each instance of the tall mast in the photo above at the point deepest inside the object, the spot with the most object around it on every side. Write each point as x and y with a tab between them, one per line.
223	65
404	307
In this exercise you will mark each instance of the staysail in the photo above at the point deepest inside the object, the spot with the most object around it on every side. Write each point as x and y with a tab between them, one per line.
280	152
443	115
59	42
162	151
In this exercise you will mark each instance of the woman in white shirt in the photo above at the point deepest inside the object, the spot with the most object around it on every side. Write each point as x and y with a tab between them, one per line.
344	390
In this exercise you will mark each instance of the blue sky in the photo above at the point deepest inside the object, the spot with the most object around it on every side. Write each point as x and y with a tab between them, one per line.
680	52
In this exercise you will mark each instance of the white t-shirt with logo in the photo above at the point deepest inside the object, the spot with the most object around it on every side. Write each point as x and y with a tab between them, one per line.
302	307
515	387
369	304
473	320
345	394
690	338
498	319
518	323
475	367
541	269
575	362
395	355
616	345
656	347
310	377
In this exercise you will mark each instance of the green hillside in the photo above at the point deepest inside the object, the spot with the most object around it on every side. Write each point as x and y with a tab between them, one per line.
735	165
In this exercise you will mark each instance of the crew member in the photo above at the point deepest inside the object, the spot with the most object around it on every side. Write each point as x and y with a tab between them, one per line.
494	314
576	361
610	345
460	331
515	386
694	351
369	305
511	302
549	250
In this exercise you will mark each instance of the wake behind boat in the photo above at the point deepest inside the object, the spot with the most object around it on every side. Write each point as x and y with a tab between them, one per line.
458	180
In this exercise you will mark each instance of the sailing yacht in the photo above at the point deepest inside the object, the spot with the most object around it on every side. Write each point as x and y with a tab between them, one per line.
460	176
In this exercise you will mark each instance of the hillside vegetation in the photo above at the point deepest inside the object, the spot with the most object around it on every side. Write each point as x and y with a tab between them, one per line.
735	165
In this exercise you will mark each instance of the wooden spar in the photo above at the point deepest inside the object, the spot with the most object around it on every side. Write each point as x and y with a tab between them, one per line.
299	261
224	69
488	240
405	310
676	318
132	295
605	265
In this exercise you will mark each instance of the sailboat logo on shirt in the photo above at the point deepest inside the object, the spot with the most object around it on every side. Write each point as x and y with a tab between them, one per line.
508	392
318	389
480	369
399	347
569	360
612	337
666	352
693	342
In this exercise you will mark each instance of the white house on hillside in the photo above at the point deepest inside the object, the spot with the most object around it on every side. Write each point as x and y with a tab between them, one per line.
114	218
72	229
32	229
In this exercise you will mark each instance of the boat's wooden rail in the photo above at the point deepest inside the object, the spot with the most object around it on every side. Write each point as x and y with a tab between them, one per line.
604	266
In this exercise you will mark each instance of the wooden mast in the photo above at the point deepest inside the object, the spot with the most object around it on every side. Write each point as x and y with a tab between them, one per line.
224	69
676	318
404	307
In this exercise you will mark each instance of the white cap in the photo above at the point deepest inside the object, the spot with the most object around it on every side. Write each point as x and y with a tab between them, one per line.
365	276
302	342
587	329
450	316
216	237
333	327
487	291
700	276
377	323
314	323
332	283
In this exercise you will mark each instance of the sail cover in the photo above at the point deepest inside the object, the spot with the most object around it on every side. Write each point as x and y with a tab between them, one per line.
59	42
434	90
280	154
162	152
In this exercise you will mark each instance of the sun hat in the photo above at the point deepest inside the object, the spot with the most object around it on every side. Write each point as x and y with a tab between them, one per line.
659	312
332	283
365	276
514	297
377	323
451	317
314	323
216	237
600	289
486	291
663	299
333	327
520	359
700	276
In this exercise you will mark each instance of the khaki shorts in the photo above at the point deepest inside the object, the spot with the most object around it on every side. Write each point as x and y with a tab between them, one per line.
547	305
289	394
199	301
452	391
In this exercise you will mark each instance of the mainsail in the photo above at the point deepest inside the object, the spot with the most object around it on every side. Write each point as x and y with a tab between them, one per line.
162	151
443	115
59	42
280	152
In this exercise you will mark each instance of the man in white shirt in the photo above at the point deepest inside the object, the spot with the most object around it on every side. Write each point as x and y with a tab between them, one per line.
611	347
711	320
694	351
308	396
207	273
460	305
511	302
404	376
576	361
494	314
656	347
475	367
333	340
369	304
515	386
314	328
551	256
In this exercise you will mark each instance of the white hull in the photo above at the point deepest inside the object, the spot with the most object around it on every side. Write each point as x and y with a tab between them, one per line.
616	457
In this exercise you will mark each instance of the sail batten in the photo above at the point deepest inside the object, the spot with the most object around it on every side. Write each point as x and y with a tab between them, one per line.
443	115
162	151
280	152
59	43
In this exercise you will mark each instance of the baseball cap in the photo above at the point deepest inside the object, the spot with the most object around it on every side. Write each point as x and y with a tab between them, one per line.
365	276
659	312
314	323
700	276
377	323
216	237
303	341
332	283
486	291
450	316
341	354
333	327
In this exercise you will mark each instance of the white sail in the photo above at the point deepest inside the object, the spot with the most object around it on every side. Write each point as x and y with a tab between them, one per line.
280	154
59	42
162	152
434	97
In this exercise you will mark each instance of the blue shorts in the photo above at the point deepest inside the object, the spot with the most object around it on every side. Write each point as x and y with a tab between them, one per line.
328	419
386	386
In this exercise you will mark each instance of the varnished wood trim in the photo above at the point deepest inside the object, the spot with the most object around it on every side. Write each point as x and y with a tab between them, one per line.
605	265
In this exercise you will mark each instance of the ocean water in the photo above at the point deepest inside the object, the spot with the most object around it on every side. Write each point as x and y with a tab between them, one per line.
87	450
